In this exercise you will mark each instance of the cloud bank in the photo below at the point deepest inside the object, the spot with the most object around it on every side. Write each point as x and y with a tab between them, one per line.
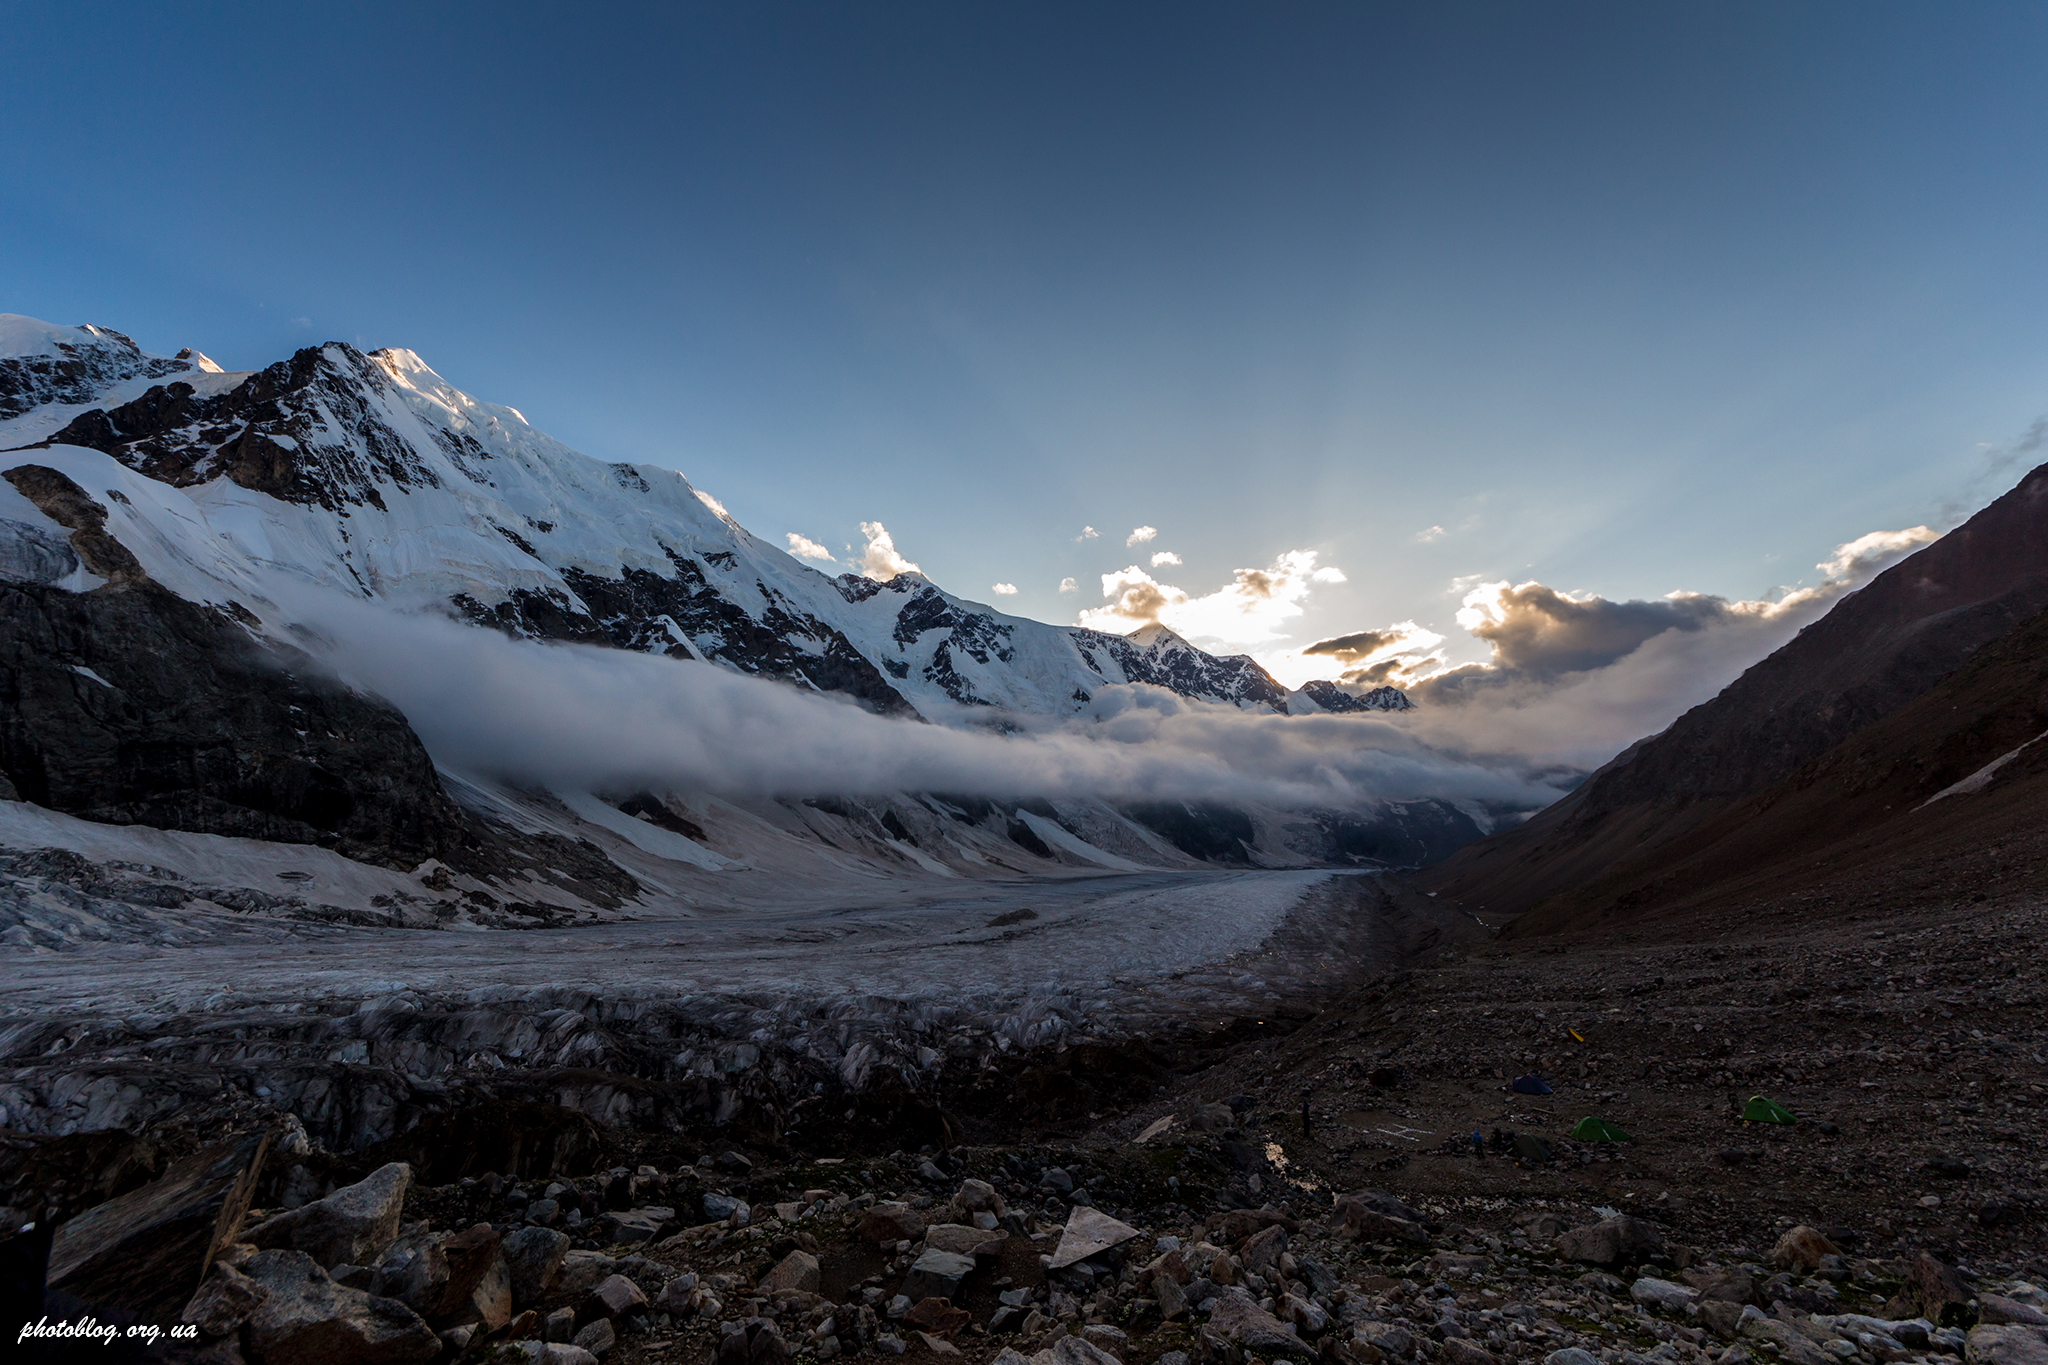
803	547
576	716
1575	678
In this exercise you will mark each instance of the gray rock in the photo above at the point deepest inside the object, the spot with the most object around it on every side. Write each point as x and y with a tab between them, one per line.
354	1223
1391	1340
798	1271
1263	1249
1237	1318
1057	1179
534	1257
307	1319
412	1269
597	1338
583	1271
936	1275
962	1240
1655	1293
1458	1351
719	1207
635	1225
891	1222
609	1298
224	1301
1571	1355
1089	1232
1611	1241
1996	1310
2006	1345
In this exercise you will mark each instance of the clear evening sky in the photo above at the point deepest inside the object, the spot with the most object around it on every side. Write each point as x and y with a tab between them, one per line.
1622	298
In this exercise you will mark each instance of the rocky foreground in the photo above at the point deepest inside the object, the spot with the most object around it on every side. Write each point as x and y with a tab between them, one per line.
1059	1256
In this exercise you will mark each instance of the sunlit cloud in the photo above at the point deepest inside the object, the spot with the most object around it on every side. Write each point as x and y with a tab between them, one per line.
1088	533
880	561
1254	606
1004	589
803	547
1165	557
1140	535
1069	585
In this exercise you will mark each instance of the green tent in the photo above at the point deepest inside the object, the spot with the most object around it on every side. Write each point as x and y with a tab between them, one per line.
1529	1147
1590	1129
1761	1110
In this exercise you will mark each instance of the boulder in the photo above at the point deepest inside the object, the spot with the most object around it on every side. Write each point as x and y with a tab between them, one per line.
1611	1241
1936	1292
609	1298
2006	1346
1262	1250
1996	1310
936	1315
597	1338
412	1270
1654	1293
1235	1225
963	1240
224	1301
307	1319
1802	1249
1089	1232
936	1275
582	1271
534	1258
1356	1221
1237	1318
754	1342
635	1225
885	1223
798	1270
353	1224
1571	1355
976	1196
1458	1351
145	1252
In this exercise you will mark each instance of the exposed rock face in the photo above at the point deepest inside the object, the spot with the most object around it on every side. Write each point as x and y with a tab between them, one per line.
134	706
80	364
1875	652
147	1250
1331	697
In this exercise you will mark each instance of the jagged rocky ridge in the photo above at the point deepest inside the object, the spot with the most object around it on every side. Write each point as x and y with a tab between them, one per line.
370	475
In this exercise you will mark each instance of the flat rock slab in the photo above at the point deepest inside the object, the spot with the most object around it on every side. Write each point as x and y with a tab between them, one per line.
2006	1346
1089	1232
147	1251
962	1240
936	1275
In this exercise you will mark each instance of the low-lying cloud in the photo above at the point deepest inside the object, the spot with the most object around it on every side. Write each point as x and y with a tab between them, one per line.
584	717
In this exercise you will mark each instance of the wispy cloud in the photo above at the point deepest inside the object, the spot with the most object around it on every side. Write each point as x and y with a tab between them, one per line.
1139	535
803	547
1069	585
1429	534
1088	533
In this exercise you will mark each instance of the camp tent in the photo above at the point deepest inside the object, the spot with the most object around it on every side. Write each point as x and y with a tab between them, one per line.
1531	1084
1761	1110
1590	1129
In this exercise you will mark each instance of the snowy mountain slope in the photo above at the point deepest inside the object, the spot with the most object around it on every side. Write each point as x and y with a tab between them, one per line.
370	474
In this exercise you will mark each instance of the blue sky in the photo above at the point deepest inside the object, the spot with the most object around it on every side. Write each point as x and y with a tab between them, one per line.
1626	299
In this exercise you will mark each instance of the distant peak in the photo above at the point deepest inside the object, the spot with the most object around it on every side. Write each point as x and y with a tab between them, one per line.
199	360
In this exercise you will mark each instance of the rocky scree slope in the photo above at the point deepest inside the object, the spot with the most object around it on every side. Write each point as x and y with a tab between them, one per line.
1877	650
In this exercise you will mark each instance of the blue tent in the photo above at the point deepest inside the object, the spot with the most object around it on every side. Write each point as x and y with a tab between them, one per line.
1531	1084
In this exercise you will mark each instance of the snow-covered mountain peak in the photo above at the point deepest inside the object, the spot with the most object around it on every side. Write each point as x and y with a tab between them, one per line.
372	474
